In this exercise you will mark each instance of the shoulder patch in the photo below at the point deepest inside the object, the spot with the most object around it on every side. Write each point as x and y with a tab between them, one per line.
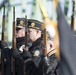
36	53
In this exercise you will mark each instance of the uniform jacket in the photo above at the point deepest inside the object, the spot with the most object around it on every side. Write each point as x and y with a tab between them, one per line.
33	58
19	62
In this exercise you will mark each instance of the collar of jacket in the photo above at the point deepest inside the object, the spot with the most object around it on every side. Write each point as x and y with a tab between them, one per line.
36	42
20	39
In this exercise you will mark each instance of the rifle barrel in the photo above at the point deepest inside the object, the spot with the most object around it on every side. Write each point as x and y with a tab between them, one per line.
26	40
13	42
44	42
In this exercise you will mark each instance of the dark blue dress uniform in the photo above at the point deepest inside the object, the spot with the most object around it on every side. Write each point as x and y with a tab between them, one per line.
7	53
36	50
19	63
20	41
33	58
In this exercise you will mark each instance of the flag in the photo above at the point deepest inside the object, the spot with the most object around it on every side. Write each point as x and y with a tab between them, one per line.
67	42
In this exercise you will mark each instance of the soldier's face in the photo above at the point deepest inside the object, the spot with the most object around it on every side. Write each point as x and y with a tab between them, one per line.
20	33
32	34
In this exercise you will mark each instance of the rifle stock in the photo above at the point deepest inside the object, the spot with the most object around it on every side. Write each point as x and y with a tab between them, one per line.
3	39
14	30
26	40
13	41
72	17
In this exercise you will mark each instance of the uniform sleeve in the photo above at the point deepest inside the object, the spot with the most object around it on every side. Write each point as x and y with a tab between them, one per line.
7	54
7	61
49	66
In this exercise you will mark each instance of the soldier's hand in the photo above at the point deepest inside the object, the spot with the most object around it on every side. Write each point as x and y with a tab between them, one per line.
15	53
3	45
45	59
26	54
50	48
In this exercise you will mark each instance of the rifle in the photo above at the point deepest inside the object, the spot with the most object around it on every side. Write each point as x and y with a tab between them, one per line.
3	39
26	41
72	17
13	41
44	42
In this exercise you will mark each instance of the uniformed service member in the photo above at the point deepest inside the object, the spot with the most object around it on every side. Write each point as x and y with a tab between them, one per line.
50	62
20	43
35	51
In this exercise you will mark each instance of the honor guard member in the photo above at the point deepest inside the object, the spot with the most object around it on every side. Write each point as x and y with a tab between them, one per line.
20	43
34	53
50	62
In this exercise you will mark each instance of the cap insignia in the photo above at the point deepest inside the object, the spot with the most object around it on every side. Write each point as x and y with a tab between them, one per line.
21	22
32	24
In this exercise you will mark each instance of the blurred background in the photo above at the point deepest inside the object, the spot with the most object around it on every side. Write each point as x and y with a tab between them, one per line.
32	10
